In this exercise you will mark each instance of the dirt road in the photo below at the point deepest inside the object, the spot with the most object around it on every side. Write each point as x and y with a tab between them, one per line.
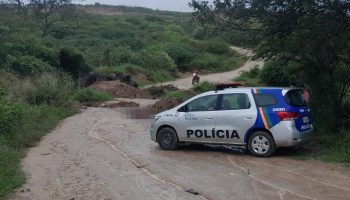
185	83
101	154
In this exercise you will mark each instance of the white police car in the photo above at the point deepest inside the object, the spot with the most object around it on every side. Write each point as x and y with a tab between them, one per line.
260	119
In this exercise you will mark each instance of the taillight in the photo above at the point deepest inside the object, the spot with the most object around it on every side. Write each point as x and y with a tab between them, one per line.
285	116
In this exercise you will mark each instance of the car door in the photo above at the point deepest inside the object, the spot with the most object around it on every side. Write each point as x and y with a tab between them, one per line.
236	114
197	120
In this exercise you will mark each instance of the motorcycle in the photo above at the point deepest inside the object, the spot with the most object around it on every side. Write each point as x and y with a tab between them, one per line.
195	79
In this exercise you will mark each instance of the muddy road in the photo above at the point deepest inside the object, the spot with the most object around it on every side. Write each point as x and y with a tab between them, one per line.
102	154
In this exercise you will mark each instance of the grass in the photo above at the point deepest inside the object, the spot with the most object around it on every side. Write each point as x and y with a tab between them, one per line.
177	95
121	69
250	78
328	147
36	122
204	87
87	95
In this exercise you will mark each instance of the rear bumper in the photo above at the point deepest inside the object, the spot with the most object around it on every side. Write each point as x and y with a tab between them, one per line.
286	135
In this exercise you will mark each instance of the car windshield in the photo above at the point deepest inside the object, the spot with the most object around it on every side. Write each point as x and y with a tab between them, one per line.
296	98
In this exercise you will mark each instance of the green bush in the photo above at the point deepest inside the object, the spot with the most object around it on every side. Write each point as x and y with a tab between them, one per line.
181	54
159	76
121	69
11	175
120	55
206	61
250	78
11	115
48	88
88	95
26	65
214	46
72	63
204	87
154	59
278	73
35	122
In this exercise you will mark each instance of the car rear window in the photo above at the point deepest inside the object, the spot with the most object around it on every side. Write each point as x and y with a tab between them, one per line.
295	98
265	100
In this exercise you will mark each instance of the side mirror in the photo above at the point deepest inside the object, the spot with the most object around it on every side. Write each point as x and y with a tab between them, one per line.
182	109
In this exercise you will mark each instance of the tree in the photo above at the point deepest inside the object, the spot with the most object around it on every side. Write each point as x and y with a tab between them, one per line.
73	63
49	12
312	33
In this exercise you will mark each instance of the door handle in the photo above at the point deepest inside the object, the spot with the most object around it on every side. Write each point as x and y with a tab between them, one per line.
208	118
249	118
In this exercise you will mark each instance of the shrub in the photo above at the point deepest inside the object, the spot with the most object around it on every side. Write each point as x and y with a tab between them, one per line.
159	76
26	65
154	59
207	61
47	88
121	55
121	69
72	63
214	46
250	78
11	115
204	87
88	95
181	54
278	73
36	122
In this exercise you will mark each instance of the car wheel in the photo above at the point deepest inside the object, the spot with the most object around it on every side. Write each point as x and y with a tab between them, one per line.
261	144
167	139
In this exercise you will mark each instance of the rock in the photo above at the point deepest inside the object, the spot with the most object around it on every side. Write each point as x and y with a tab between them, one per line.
192	191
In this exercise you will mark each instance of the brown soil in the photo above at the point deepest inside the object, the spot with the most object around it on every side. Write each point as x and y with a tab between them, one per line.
120	90
158	91
165	104
117	104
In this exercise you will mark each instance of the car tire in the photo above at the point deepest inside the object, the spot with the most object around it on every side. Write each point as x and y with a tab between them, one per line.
167	139
261	144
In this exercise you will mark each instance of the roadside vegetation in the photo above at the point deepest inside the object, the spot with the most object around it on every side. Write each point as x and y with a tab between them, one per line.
50	50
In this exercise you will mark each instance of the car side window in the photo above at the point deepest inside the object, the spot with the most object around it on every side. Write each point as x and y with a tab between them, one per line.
263	100
235	101
206	103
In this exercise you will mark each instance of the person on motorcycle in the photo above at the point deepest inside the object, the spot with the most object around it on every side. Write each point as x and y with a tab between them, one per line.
195	77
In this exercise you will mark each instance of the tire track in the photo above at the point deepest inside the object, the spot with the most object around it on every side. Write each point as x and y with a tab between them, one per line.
94	134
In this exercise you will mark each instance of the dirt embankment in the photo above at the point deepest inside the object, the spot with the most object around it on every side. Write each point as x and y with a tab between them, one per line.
121	90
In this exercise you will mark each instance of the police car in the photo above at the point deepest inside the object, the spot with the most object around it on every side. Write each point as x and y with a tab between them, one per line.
260	119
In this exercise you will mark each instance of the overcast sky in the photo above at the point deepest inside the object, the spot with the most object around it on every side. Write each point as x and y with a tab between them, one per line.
172	5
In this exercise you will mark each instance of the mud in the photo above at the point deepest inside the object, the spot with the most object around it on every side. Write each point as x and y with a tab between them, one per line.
99	154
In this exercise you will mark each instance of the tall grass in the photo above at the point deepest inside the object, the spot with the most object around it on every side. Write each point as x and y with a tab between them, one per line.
29	108
46	88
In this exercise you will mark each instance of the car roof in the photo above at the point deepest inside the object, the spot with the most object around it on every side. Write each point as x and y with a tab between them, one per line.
245	89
